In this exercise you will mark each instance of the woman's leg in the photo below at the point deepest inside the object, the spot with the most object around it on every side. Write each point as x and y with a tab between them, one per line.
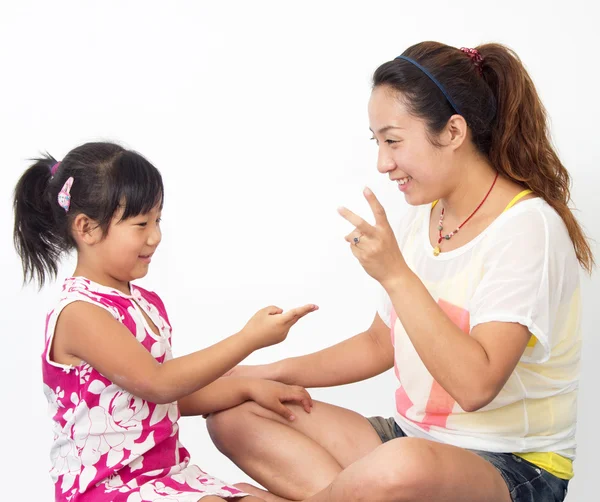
214	498
414	470
292	459
411	470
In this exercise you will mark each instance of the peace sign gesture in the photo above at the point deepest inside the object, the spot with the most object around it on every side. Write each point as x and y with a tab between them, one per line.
376	246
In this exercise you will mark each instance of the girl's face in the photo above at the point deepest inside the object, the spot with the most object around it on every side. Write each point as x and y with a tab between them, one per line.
406	154
126	250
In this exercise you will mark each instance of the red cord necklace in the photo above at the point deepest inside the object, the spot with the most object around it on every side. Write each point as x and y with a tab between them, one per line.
447	237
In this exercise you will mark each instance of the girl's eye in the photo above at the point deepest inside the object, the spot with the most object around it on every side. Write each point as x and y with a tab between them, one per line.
158	220
142	224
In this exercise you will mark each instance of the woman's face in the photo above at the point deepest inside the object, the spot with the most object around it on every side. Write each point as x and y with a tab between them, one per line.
406	153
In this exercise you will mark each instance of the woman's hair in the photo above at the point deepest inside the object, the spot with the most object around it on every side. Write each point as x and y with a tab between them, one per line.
500	104
106	177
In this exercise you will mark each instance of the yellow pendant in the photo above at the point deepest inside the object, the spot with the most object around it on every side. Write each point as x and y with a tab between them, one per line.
436	251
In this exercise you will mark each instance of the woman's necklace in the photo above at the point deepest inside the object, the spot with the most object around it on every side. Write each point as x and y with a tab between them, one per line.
447	237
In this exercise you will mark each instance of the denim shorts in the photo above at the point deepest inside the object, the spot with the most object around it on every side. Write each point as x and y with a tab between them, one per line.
526	482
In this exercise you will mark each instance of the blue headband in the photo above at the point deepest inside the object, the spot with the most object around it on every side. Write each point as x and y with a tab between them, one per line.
434	80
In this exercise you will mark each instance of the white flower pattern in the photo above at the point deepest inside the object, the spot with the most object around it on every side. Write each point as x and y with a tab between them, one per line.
107	440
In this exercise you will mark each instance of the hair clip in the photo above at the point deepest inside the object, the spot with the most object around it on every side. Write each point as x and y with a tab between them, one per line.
64	196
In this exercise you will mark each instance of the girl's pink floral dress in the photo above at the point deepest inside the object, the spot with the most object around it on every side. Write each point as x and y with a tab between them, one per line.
110	445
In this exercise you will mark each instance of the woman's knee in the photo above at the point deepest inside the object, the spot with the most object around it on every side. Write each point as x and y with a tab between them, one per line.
402	470
225	427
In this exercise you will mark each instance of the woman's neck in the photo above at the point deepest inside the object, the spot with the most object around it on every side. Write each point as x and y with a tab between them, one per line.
475	181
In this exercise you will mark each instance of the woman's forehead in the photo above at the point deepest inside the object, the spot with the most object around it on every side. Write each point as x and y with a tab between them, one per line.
387	110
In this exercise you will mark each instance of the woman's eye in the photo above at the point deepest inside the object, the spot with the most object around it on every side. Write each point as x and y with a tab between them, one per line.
388	141
142	224
158	220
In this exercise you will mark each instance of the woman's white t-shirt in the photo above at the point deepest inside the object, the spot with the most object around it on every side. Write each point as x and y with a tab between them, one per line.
521	269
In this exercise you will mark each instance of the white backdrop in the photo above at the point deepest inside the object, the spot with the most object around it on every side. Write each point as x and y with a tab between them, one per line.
255	112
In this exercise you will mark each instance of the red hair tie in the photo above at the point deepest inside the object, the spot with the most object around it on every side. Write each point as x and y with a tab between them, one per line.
475	56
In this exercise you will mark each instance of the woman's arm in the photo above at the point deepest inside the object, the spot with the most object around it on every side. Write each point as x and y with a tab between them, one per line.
358	358
473	367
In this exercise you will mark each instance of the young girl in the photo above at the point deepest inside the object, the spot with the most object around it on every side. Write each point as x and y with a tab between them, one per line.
482	302
114	390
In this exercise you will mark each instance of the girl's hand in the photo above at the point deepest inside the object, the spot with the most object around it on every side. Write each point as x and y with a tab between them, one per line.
376	246
271	325
271	396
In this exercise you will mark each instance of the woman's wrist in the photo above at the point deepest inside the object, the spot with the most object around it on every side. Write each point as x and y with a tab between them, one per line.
278	371
399	281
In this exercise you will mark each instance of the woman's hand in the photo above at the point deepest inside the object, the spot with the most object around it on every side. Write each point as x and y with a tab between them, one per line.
271	395
376	246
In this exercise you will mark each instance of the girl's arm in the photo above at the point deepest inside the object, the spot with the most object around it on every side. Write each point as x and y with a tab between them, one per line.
216	396
226	393
358	358
90	333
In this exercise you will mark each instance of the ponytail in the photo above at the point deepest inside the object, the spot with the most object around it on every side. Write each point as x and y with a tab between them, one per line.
34	234
521	148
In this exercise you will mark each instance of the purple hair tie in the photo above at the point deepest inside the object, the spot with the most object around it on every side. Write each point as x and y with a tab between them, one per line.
54	168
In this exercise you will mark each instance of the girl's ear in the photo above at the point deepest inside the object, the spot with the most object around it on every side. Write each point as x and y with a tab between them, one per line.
86	230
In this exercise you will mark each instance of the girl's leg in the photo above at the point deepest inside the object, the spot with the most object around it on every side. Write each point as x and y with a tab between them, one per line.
293	460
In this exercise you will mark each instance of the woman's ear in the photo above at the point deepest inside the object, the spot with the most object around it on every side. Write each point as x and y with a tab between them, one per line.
456	132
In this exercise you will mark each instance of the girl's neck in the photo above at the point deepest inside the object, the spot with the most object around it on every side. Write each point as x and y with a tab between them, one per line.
81	270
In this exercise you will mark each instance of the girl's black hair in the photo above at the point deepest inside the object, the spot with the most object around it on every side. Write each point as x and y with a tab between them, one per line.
106	176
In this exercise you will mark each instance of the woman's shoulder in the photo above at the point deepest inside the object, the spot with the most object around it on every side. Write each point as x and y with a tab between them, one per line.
532	227
532	214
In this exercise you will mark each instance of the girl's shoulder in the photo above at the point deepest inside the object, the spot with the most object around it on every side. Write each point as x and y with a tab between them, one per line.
143	295
82	288
117	302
